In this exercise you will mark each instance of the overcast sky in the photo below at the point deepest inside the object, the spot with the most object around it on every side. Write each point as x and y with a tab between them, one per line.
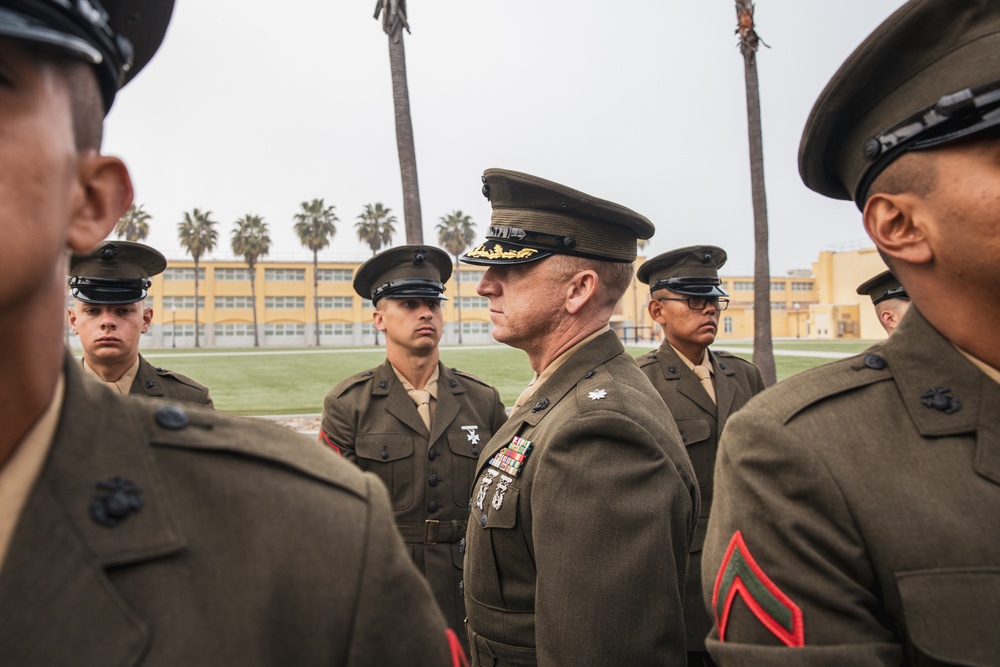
254	107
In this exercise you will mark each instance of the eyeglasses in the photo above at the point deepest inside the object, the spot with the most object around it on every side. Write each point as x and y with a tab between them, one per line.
701	302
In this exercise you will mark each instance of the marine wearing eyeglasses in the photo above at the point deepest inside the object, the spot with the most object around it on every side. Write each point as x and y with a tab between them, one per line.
701	387
857	505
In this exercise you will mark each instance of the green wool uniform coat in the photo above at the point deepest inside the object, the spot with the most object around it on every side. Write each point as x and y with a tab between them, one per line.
857	514
252	546
578	557
159	383
371	419
700	421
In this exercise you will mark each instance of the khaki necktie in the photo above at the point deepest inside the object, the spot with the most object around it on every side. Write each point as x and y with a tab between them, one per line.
525	395
705	376
422	399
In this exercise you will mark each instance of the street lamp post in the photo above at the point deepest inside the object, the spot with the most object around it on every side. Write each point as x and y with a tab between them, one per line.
797	321
173	329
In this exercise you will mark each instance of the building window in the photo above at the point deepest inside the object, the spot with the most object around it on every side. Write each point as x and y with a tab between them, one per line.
182	303
472	302
284	329
183	331
179	273
367	304
149	302
469	276
743	286
336	302
802	287
231	302
334	275
233	330
475	327
727	324
232	275
777	305
777	287
367	329
285	275
336	329
285	302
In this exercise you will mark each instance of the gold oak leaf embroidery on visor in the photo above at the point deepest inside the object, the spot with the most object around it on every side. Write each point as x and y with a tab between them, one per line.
739	574
498	252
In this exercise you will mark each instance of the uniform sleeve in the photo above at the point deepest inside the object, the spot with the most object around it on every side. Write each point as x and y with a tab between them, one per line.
611	526
339	427
787	579
206	400
395	620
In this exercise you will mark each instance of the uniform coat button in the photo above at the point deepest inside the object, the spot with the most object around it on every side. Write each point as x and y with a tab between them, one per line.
384	455
483	520
433	480
432	506
874	362
432	454
172	417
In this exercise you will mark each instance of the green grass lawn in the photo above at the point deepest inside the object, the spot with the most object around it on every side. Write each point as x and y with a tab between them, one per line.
291	381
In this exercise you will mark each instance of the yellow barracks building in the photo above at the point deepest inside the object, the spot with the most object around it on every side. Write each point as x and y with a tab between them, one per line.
817	304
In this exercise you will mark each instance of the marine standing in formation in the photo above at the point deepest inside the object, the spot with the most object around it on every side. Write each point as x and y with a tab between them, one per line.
857	508
141	532
701	387
889	298
413	422
109	314
584	503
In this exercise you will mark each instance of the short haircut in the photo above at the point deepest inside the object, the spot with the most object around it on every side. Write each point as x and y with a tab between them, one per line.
613	277
86	103
914	172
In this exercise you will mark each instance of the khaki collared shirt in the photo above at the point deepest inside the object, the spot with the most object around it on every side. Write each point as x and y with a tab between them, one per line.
123	384
18	476
540	379
431	387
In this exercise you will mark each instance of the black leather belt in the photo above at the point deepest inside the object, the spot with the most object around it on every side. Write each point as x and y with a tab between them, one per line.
432	531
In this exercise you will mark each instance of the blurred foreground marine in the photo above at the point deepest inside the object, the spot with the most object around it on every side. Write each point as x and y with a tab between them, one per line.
109	315
701	387
889	298
584	504
137	532
418	425
857	505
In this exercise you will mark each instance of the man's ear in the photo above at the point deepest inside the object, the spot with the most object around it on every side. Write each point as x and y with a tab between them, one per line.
378	321
106	194
897	223
580	289
655	309
71	316
147	319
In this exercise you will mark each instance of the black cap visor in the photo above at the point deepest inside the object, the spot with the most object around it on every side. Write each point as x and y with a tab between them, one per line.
410	288
109	291
693	286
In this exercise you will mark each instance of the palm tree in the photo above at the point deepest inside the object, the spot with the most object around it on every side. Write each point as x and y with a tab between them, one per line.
456	232
198	236
316	224
393	21
134	225
251	241
763	350
376	226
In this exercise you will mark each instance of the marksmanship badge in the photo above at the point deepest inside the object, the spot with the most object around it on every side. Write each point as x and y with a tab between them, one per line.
500	491
470	431
513	457
484	486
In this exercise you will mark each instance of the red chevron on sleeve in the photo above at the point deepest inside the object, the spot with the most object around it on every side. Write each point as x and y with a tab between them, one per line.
325	439
457	652
739	574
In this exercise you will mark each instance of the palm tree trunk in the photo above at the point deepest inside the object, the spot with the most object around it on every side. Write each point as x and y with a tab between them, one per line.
458	299
197	343
404	141
316	293
253	302
763	350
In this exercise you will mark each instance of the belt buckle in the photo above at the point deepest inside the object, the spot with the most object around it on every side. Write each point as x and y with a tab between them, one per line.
431	531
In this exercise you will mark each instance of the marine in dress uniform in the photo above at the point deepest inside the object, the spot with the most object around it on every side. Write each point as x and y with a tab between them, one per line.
584	503
889	298
109	285
857	505
374	420
685	299
135	532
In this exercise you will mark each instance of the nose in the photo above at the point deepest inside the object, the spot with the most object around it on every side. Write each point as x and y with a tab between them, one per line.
488	283
108	322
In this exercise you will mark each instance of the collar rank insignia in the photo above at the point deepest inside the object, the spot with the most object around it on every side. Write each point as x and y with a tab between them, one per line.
470	431
513	457
597	394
